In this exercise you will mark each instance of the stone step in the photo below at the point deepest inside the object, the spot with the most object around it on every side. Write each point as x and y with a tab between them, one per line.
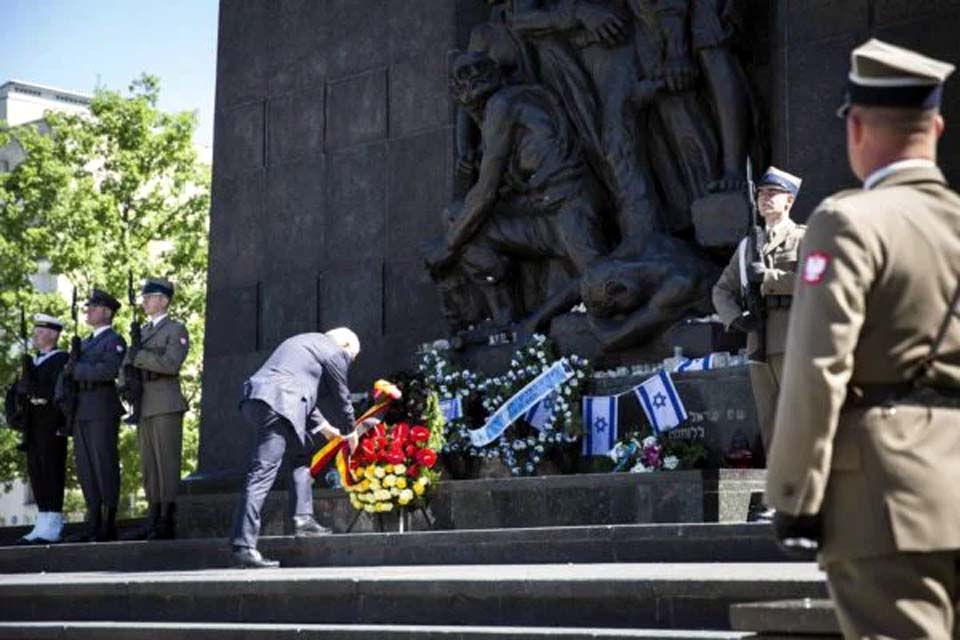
223	631
813	616
622	595
612	543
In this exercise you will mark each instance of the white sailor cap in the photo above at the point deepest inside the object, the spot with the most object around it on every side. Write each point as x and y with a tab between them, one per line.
780	179
884	75
47	322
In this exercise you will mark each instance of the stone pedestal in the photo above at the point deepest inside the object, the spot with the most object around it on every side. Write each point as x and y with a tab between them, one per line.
719	495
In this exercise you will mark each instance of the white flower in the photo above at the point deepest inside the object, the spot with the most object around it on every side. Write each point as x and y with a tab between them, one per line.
649	441
639	468
671	462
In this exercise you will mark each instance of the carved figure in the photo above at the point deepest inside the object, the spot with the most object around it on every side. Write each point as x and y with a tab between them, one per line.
534	197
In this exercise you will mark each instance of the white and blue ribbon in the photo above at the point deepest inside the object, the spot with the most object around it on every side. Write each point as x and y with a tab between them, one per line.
541	412
661	402
521	402
694	364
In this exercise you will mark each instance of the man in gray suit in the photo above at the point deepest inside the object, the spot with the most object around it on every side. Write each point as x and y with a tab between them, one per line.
281	400
97	417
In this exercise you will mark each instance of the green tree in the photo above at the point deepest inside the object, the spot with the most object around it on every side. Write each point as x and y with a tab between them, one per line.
97	196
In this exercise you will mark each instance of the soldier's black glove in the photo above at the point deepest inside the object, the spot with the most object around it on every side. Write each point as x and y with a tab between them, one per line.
798	535
755	272
746	323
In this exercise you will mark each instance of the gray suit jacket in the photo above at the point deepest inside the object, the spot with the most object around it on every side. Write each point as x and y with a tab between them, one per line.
298	375
99	362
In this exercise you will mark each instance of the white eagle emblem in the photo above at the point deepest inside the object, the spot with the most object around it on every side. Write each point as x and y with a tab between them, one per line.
815	266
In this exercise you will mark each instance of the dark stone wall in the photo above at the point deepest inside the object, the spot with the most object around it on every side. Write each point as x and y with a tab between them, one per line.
809	60
332	156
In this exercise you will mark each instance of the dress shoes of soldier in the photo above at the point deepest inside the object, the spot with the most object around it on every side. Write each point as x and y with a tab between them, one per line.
307	527
247	558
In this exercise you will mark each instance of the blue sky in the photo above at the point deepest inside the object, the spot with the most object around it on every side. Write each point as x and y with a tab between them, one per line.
69	44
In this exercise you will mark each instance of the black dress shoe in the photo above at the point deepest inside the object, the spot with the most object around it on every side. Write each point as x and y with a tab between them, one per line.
307	527
247	558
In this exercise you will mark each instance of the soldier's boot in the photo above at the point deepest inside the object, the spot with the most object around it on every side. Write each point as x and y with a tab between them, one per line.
167	529
108	526
149	528
90	528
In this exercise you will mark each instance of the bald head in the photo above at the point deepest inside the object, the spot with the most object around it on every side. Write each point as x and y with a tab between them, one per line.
346	340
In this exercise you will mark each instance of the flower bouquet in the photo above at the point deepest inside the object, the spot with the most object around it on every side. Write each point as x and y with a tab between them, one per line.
650	454
391	467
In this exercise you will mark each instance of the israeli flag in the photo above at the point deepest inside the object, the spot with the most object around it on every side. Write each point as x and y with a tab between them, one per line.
452	408
661	402
600	424
694	364
539	413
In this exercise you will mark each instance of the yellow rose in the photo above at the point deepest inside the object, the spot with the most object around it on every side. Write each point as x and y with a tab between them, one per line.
368	472
390	480
399	469
406	496
379	472
382	494
389	468
369	508
401	483
418	489
394	491
374	484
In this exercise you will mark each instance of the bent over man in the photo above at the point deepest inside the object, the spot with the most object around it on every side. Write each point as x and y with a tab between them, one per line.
281	400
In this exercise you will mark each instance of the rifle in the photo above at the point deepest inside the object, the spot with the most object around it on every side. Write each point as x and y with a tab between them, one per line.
66	390
19	415
132	377
752	294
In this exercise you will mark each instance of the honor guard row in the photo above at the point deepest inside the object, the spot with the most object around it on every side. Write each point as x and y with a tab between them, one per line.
62	394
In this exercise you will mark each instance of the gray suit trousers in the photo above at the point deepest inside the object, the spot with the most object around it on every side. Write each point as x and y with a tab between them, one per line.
98	462
161	442
276	438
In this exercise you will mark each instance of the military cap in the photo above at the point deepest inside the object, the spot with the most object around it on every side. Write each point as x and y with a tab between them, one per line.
47	322
157	285
780	179
103	299
884	75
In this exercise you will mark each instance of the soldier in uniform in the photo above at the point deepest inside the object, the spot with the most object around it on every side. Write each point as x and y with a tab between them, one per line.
163	348
97	418
864	459
281	400
774	274
43	424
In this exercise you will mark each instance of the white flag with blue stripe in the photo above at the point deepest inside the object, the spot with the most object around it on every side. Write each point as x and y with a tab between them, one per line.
661	402
599	424
452	408
694	364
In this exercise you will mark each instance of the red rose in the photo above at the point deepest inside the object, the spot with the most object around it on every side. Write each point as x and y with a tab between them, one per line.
410	450
419	433
413	470
368	448
401	431
394	458
427	457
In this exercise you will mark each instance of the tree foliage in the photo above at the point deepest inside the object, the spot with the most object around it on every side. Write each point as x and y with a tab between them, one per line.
98	196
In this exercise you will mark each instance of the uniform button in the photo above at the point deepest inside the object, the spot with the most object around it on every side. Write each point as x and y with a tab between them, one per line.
788	490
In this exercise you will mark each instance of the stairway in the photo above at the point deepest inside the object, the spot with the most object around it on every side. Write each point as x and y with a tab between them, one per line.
619	581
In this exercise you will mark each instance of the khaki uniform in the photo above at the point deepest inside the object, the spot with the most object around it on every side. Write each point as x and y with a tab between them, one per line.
160	433
878	272
780	253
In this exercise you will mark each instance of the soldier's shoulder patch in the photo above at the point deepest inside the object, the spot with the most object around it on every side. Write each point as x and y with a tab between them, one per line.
814	266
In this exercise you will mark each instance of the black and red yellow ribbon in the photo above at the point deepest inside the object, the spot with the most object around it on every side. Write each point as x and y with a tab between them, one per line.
384	392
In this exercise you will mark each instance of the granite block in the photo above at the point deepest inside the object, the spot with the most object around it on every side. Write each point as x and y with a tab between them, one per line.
415	203
357	109
295	125
352	296
419	94
288	306
295	211
239	140
232	314
356	202
236	230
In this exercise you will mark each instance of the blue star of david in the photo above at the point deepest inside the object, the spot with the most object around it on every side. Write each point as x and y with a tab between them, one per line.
659	400
600	424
